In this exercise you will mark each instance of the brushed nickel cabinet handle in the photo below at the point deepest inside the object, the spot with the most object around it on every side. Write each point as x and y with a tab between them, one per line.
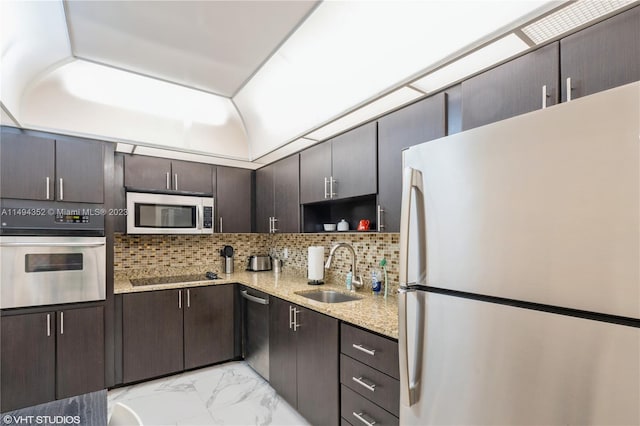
360	416
48	190
274	229
168	181
326	193
188	298
61	323
61	189
358	380
361	348
295	319
569	89
331	182
290	317
380	211
175	181
48	325
221	224
179	299
545	95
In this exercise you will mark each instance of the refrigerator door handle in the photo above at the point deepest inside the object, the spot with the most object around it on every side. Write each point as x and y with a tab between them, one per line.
412	180
410	380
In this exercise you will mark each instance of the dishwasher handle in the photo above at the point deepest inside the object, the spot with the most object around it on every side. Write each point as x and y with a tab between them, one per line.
259	300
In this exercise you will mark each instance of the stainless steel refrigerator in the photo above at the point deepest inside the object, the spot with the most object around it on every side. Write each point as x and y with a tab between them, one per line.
520	270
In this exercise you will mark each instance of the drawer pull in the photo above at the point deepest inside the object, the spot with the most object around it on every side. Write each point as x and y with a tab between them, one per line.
360	416
371	352
358	380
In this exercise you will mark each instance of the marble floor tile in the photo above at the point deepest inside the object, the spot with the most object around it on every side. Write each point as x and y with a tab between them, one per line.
227	394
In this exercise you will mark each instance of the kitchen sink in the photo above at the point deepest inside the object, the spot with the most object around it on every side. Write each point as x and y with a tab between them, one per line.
328	296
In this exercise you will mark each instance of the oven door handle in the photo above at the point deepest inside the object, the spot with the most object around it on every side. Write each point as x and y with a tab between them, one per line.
42	244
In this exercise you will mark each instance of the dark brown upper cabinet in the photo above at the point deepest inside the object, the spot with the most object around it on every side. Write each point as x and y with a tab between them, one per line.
343	167
522	85
39	168
80	171
315	171
161	174
602	56
233	205
419	122
278	196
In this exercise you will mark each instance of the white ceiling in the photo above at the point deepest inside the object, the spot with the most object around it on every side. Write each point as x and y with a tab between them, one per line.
244	82
214	46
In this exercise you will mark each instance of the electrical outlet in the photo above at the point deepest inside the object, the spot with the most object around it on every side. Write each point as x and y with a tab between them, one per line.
285	253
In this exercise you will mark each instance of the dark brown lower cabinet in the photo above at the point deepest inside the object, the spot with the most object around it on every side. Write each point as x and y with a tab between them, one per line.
303	356
208	325
167	331
282	351
51	355
358	410
27	359
80	351
151	334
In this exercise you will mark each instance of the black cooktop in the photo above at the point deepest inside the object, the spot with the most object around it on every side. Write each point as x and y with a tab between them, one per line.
171	280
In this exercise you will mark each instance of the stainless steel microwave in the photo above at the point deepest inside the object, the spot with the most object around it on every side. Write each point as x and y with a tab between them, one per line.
149	213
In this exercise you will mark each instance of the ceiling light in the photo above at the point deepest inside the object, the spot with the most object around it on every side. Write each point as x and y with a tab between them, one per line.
570	17
286	150
348	52
393	100
480	59
124	147
113	87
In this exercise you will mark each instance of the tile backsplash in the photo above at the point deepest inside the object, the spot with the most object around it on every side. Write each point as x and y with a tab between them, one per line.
144	255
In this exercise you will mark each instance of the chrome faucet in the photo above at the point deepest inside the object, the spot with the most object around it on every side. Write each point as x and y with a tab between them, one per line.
356	281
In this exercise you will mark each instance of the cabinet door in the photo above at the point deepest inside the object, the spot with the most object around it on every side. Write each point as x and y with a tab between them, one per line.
512	88
27	360
317	367
152	342
80	171
80	351
287	194
602	56
27	164
234	199
149	173
420	122
354	162
315	167
191	177
208	325
282	351
264	198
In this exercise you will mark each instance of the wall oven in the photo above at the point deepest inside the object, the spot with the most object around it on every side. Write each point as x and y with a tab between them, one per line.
150	213
51	253
51	270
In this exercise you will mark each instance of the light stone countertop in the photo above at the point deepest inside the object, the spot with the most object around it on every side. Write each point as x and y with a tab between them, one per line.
373	313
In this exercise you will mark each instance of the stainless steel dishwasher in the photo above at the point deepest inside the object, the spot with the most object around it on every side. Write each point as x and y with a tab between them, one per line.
255	330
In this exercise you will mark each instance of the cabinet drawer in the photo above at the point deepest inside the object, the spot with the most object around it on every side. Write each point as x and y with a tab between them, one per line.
359	377
360	411
376	351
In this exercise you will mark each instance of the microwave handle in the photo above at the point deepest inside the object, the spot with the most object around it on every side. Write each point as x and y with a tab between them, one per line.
199	215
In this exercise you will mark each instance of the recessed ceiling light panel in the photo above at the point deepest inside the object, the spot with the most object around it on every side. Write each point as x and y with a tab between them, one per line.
570	17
